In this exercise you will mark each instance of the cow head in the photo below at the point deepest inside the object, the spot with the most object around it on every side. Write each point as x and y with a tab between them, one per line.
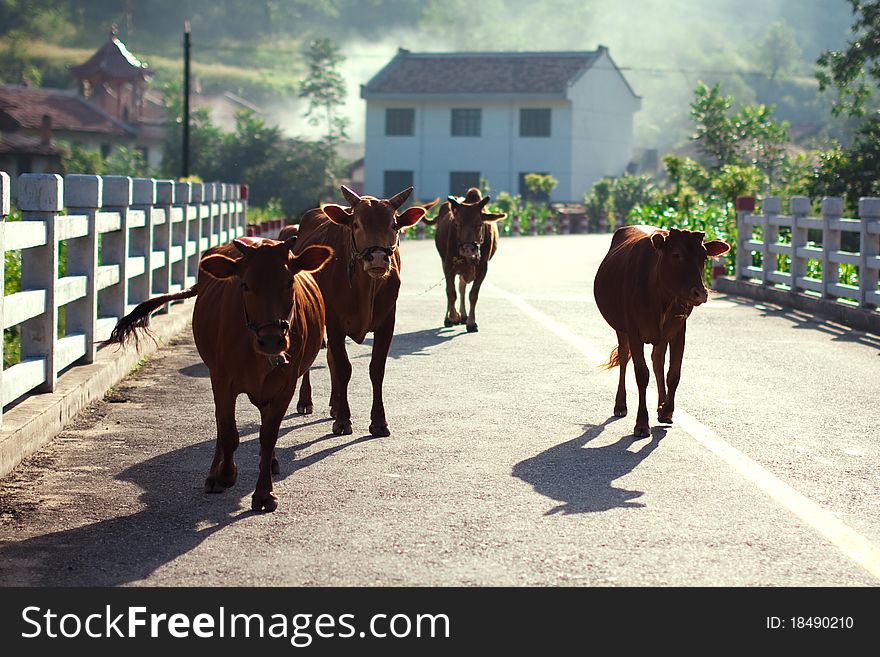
375	226
683	256
266	271
468	218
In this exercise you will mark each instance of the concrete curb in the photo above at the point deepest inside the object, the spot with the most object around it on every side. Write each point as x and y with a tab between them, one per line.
39	418
855	318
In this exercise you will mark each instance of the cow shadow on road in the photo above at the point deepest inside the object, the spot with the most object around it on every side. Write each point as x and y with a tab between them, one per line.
418	343
581	477
175	517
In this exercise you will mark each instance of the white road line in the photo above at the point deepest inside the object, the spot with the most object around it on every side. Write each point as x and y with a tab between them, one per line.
847	540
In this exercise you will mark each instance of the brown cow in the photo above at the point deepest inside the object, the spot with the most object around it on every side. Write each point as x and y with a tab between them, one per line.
645	288
258	322
360	288
466	240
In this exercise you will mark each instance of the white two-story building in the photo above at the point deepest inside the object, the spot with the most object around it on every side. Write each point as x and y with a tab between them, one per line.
442	121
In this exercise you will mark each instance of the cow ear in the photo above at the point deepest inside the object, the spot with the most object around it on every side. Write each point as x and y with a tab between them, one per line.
658	240
219	266
453	202
493	216
716	248
410	217
337	214
312	258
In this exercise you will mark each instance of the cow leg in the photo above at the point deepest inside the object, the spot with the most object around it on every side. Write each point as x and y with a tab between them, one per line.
223	473
340	375
264	497
452	315
623	359
381	344
462	311
676	352
643	375
475	292
304	405
658	357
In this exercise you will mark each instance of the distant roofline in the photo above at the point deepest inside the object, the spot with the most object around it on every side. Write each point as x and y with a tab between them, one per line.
593	55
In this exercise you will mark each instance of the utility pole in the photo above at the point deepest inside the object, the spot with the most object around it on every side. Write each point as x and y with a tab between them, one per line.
186	56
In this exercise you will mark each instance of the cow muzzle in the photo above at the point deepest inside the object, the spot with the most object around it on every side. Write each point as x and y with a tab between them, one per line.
698	295
470	251
377	261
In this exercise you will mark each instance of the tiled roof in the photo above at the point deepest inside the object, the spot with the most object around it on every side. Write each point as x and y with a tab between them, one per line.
112	61
15	143
481	72
26	106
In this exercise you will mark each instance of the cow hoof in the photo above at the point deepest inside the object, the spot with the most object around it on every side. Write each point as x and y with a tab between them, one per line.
620	411
379	430
342	428
304	409
463	319
275	468
447	322
217	484
472	328
665	419
264	503
641	432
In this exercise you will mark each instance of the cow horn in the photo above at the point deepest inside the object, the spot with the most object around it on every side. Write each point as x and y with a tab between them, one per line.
454	200
350	195
484	201
400	198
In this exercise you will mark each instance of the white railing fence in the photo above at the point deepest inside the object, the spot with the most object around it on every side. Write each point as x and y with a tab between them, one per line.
789	236
126	240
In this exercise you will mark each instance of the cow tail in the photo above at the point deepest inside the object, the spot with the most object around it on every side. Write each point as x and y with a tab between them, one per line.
613	360
139	318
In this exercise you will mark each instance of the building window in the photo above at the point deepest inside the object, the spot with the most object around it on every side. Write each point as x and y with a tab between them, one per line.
400	122
461	181
397	181
105	151
466	122
534	122
529	195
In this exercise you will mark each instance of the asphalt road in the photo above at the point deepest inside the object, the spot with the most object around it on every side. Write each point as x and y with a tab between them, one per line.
504	465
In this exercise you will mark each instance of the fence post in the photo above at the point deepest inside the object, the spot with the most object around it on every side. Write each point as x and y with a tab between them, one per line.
209	217
216	195
200	229
40	197
82	196
744	205
243	193
223	210
869	248
769	208
143	197
832	209
182	196
4	210
163	239
113	301
800	208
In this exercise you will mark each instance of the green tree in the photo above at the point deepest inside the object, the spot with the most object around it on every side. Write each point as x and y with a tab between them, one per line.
76	159
124	161
540	185
854	72
629	191
324	88
779	53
